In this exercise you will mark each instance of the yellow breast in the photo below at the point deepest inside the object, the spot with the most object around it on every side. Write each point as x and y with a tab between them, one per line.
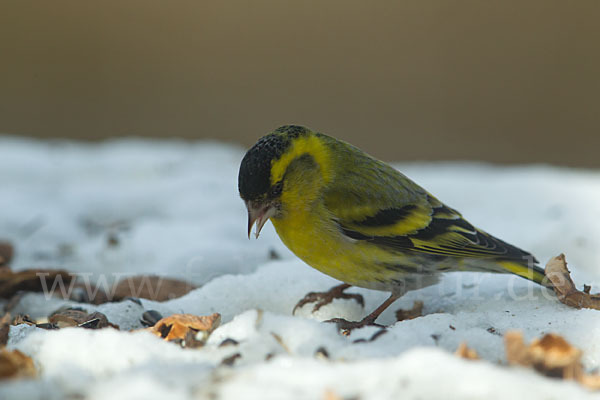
316	239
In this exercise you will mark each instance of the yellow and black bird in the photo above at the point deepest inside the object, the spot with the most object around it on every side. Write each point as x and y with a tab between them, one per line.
361	221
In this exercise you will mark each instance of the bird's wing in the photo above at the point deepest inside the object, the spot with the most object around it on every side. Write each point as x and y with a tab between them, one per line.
389	210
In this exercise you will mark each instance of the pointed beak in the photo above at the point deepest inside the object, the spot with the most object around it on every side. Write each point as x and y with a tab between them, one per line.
259	214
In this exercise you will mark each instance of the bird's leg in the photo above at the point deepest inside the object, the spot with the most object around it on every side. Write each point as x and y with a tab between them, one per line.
368	320
324	298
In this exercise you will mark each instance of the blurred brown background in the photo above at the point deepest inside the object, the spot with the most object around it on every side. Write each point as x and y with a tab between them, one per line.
503	81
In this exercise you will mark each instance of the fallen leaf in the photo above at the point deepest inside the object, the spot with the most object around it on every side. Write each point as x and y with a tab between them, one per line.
414	312
97	320
156	288
33	280
558	273
551	355
22	319
68	317
554	355
177	326
516	350
14	364
464	351
151	287
590	381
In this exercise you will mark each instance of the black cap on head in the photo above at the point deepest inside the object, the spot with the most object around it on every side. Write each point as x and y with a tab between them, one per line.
254	178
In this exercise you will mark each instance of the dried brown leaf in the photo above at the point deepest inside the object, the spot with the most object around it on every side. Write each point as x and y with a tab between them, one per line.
414	312
464	351
558	273
151	287
516	351
554	352
14	364
156	288
177	326
68	317
22	319
551	355
590	381
33	280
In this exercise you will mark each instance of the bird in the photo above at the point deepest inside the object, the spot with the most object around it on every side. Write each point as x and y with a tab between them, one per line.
361	221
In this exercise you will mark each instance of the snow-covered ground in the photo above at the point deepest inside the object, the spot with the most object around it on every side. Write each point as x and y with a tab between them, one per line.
174	211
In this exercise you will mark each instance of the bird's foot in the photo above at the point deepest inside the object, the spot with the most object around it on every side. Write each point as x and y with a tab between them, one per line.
348	326
323	298
369	320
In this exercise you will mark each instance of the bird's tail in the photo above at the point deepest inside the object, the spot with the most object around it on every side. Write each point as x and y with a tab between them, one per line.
531	272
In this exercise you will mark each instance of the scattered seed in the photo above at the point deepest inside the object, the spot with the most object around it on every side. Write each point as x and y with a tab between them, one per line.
372	338
134	299
229	361
281	343
112	240
322	352
150	318
273	255
377	334
259	317
465	352
229	342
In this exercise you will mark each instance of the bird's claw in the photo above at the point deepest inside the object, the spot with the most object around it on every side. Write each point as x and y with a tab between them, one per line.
323	298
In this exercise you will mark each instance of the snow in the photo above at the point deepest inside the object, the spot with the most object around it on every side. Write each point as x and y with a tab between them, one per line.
174	211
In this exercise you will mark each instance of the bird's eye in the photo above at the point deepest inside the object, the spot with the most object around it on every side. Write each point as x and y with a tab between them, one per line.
276	189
